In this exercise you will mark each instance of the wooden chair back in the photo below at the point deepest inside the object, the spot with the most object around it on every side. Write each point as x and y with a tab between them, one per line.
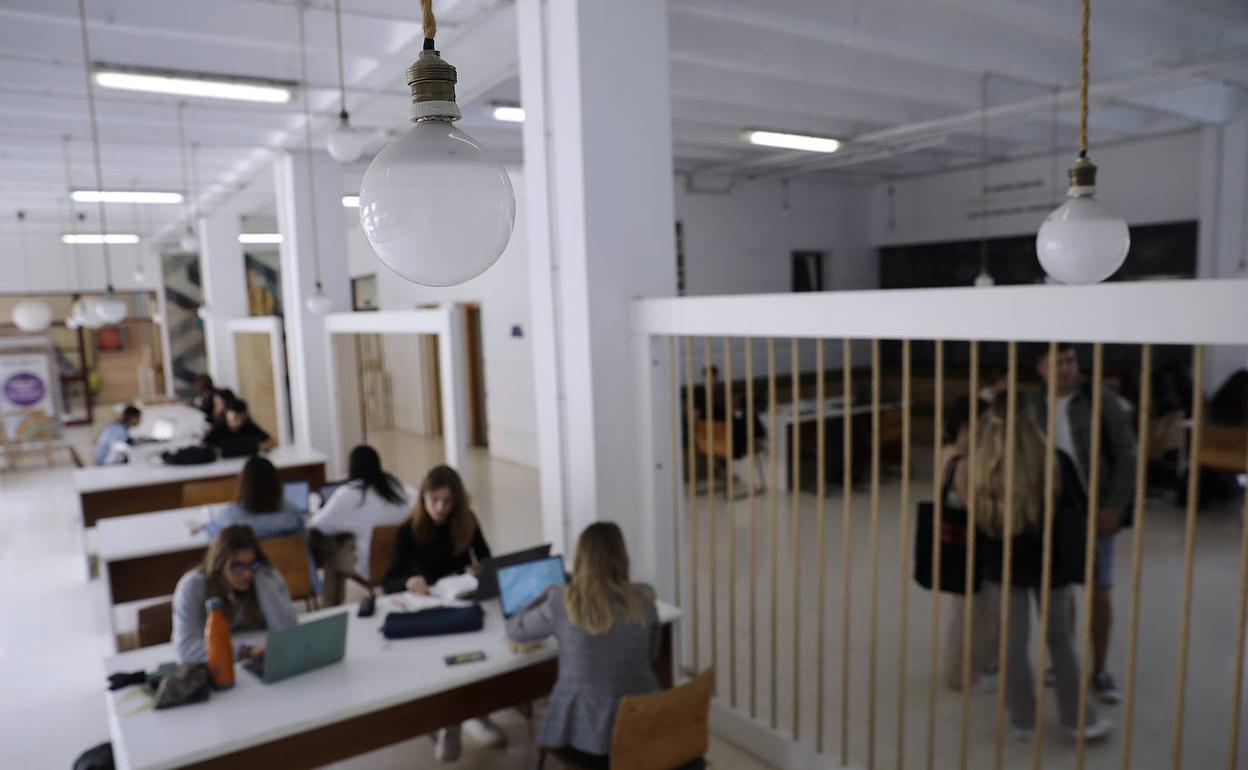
1223	447
289	556
155	624
209	491
380	548
719	439
665	729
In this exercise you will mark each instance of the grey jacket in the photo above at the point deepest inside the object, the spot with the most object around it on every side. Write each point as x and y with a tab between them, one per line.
1118	447
594	671
190	616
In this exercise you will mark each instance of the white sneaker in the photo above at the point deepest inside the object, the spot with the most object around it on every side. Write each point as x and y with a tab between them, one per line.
483	731
447	747
1101	728
1022	734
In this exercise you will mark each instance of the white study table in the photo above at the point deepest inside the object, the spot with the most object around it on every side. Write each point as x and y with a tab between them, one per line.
384	691
118	490
143	555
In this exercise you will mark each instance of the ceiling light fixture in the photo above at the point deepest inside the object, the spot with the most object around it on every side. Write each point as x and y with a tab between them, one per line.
317	303
110	308
437	208
784	141
345	144
99	239
191	84
188	242
508	113
29	315
984	279
126	196
351	201
1083	240
259	238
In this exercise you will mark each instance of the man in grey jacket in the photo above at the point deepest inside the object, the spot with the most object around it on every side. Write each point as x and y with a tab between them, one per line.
1073	435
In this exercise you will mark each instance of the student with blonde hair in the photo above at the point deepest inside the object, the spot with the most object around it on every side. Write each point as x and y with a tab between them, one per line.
1025	512
609	635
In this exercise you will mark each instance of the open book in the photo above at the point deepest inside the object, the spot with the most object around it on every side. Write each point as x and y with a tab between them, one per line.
444	593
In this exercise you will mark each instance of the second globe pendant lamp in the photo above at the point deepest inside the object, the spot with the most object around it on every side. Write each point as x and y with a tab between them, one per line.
1083	240
437	208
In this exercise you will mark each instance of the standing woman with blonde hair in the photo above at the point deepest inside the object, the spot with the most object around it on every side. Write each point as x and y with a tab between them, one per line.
609	636
1026	517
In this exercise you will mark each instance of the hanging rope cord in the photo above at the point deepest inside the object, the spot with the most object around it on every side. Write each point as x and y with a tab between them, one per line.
307	150
342	79
95	143
1083	79
429	23
983	173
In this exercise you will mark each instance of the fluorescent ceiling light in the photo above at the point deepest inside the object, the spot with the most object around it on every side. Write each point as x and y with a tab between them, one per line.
351	201
186	85
86	239
125	196
792	141
259	238
509	114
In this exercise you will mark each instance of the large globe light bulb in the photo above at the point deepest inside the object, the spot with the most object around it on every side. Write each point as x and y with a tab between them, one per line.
111	308
32	316
984	280
1083	240
345	144
318	303
437	208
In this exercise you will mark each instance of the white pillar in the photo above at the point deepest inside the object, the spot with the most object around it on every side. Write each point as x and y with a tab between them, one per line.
223	276
310	391
598	164
1224	199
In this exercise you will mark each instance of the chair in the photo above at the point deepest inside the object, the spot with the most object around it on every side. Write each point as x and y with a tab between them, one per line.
667	730
155	624
289	556
721	449
1223	447
209	491
380	547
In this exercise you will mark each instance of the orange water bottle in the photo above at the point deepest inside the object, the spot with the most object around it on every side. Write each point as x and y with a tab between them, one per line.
217	643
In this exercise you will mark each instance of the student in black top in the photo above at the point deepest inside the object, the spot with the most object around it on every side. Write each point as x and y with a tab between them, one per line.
441	537
205	394
238	426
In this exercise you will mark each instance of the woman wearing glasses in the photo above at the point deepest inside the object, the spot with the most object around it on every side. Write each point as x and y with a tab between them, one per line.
253	594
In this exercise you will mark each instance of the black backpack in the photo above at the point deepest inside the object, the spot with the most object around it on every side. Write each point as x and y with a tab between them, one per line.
190	455
96	758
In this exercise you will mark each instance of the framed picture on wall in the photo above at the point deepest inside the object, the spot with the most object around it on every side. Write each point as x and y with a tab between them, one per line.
110	339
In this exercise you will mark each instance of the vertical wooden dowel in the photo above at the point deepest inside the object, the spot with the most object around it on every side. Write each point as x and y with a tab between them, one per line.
730	520
847	502
1137	547
674	426
773	512
691	477
903	560
968	596
1046	566
750	511
711	528
1007	535
1189	545
1089	554
875	552
937	511
820	539
795	531
1232	761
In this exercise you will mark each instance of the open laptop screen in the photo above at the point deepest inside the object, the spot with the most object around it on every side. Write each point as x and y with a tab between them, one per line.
519	584
296	493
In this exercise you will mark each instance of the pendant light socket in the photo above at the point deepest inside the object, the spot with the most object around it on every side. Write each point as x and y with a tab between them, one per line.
432	80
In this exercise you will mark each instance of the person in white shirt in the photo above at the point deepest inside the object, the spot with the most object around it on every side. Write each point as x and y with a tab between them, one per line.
370	499
115	434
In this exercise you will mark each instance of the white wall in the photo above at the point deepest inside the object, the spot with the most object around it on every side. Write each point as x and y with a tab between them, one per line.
50	266
1147	181
503	293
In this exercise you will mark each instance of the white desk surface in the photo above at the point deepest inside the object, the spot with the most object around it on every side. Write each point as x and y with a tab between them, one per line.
375	674
107	477
188	422
150	534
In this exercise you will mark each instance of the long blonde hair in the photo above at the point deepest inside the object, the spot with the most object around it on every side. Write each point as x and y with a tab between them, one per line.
989	483
600	590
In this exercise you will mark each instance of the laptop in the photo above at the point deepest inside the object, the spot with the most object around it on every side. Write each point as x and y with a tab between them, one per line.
163	430
520	584
487	580
300	648
296	493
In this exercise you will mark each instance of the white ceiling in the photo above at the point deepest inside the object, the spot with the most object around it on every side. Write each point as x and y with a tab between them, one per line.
874	72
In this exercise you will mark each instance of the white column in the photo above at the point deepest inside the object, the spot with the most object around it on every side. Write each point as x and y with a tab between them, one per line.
1224	199
223	276
310	391
452	369
598	164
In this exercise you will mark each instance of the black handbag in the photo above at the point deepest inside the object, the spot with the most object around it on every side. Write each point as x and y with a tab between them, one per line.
200	454
953	544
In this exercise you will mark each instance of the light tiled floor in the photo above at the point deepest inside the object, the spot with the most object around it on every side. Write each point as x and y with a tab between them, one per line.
53	630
